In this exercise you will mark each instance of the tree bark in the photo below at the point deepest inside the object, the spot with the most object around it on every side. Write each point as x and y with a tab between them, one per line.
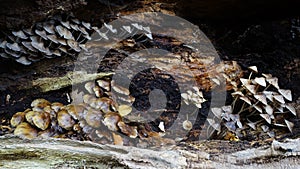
56	153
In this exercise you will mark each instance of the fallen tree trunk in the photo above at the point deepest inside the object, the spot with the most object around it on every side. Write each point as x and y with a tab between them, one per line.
17	153
57	153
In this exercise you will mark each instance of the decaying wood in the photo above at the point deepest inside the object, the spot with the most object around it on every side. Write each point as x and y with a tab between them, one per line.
71	78
47	84
56	153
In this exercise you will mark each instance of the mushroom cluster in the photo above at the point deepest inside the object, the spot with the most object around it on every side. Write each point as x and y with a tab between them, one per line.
92	121
51	38
46	119
103	114
57	36
99	118
259	105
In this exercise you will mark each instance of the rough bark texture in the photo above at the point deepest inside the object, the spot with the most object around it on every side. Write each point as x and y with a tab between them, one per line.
54	153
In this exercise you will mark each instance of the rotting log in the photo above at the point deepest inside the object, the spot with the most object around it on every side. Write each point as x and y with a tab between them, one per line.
66	153
58	153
